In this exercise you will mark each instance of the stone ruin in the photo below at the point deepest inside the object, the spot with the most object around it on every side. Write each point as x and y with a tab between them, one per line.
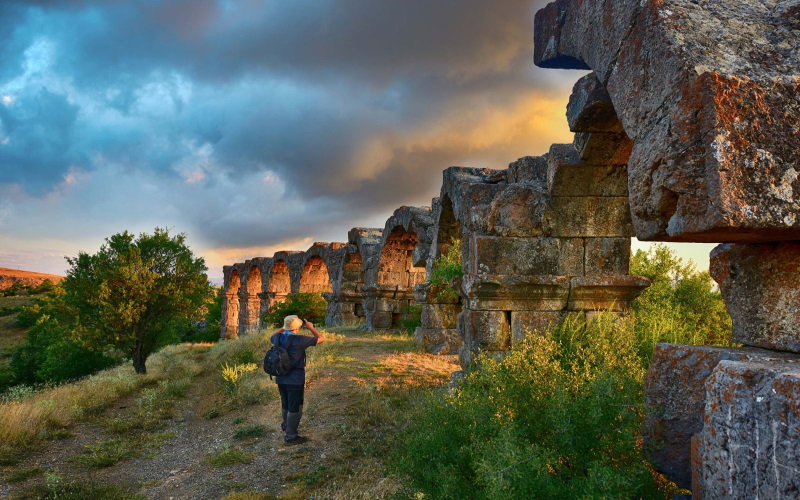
686	130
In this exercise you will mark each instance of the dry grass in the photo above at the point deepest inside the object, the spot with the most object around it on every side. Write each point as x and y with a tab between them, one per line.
364	381
33	417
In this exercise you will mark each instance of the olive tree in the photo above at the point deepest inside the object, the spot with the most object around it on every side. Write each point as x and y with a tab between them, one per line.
134	292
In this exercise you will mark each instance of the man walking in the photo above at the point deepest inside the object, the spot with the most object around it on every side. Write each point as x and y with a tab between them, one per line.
292	385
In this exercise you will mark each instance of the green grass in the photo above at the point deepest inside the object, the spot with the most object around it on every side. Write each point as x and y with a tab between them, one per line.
230	456
252	431
21	475
113	451
58	489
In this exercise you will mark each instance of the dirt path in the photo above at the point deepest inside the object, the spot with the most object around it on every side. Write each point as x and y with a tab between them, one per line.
335	420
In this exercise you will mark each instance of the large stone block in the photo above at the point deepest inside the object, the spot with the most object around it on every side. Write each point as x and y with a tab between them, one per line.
675	401
592	216
381	319
438	340
710	97
439	315
514	210
385	305
488	292
524	323
567	175
612	293
489	330
590	108
532	169
750	441
607	256
761	287
526	256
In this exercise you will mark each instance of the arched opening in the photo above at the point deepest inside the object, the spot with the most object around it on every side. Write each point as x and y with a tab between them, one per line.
396	266
232	305
280	283
397	276
315	277
251	302
441	303
449	228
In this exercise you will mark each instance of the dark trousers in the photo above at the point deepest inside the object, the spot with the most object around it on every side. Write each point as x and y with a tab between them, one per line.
291	397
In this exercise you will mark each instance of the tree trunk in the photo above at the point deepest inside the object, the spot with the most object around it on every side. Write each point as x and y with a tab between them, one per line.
139	359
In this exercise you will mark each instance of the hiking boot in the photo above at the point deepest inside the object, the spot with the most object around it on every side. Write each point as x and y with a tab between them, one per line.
295	440
283	426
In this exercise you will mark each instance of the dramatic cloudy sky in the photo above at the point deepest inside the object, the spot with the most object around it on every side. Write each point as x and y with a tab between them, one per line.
253	125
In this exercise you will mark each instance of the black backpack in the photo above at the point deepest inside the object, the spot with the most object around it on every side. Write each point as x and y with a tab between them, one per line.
277	361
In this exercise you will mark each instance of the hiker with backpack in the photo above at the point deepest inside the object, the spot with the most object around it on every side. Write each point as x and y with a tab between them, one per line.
287	360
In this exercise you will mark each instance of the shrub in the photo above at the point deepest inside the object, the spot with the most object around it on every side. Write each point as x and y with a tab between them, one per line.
45	286
51	354
559	416
682	306
446	267
310	306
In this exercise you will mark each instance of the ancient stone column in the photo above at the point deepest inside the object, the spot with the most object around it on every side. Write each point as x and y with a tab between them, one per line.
438	332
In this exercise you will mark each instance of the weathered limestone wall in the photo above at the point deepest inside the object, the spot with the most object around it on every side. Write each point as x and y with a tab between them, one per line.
709	94
389	280
346	301
546	237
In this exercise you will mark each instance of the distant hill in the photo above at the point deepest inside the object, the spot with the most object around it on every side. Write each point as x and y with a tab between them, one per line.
27	278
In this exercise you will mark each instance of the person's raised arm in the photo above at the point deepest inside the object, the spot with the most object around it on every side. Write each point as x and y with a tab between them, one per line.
310	327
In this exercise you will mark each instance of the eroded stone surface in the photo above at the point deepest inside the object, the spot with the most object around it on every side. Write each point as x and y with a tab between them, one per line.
675	400
761	287
710	95
750	441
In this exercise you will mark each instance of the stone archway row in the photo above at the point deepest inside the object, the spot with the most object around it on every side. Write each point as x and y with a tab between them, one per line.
547	236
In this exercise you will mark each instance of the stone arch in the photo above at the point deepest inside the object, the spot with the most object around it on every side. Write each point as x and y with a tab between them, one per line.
440	308
314	277
250	300
396	267
279	283
230	304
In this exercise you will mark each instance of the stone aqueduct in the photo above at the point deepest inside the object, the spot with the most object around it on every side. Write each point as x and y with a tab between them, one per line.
687	129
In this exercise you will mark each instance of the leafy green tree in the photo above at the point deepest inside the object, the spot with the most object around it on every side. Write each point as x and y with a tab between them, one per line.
50	352
310	306
135	292
682	306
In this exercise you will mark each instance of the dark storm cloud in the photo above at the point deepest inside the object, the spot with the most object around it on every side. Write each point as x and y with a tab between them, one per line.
354	105
42	127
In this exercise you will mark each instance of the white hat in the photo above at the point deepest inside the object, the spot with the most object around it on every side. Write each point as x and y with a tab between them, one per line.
291	323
